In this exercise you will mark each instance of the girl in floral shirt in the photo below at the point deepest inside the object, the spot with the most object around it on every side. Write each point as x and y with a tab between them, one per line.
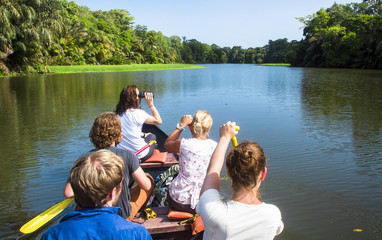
195	154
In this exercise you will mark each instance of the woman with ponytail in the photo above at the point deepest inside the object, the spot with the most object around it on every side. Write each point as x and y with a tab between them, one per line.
195	154
132	119
243	216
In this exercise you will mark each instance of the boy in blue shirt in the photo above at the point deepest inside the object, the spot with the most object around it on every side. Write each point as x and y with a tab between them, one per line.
96	179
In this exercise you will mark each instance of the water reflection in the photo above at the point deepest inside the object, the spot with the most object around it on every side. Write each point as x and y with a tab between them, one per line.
342	110
336	101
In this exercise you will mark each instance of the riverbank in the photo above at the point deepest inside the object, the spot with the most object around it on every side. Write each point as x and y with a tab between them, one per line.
276	64
119	68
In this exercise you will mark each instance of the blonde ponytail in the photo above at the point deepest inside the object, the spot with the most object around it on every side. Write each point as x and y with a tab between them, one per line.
201	122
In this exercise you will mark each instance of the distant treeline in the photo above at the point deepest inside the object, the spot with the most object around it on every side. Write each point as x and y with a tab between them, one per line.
37	33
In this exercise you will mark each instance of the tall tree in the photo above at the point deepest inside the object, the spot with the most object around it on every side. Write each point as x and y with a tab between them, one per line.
276	51
344	36
9	14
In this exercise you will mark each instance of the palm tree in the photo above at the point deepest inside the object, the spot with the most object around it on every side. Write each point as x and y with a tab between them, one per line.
9	12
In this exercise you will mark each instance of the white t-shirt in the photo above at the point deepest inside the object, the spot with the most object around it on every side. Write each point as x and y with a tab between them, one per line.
132	121
228	219
195	157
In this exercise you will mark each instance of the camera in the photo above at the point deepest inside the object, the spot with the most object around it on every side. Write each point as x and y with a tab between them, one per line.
142	94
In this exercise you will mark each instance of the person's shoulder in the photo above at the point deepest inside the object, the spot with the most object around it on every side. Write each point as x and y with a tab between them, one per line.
185	140
128	156
144	113
271	208
137	111
121	151
212	142
133	112
272	217
189	144
139	115
212	206
58	231
50	234
211	193
131	230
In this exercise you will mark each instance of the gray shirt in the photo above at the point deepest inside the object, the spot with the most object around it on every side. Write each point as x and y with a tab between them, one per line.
131	165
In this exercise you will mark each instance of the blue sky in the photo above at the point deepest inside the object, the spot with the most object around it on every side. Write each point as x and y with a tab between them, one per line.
245	23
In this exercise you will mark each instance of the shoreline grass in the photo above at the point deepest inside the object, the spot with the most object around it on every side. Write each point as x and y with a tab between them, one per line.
119	68
275	64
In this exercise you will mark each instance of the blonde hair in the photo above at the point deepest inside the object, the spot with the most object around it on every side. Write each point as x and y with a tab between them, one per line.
94	176
244	165
201	122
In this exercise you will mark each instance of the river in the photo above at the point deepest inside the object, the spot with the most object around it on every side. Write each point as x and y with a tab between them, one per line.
320	128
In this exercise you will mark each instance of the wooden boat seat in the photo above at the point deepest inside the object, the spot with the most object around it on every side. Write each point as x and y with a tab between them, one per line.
156	168
163	228
171	159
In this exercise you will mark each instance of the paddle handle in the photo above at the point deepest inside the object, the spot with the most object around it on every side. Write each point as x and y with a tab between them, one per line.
234	139
190	122
145	147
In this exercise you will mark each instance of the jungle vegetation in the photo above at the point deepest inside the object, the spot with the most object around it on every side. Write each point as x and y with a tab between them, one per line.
35	34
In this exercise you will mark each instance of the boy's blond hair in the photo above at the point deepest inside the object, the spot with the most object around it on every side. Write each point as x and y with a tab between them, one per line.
94	176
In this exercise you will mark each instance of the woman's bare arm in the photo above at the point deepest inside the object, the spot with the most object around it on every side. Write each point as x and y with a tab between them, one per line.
173	141
155	119
142	179
212	180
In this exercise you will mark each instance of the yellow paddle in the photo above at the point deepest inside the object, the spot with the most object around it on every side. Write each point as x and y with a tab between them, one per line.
234	139
45	216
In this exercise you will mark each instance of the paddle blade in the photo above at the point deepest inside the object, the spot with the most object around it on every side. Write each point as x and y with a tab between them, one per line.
45	216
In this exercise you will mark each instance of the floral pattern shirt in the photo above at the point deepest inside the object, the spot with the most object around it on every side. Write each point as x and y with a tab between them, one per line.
195	157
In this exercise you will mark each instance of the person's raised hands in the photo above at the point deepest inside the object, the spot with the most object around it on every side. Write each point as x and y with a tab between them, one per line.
185	120
228	130
149	98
